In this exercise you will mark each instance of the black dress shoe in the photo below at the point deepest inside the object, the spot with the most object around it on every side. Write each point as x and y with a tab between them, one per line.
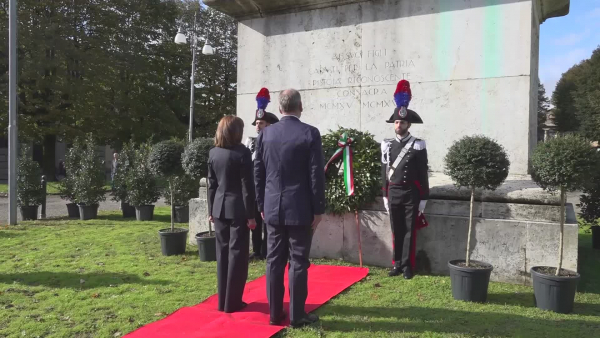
304	321
243	306
408	273
277	321
396	271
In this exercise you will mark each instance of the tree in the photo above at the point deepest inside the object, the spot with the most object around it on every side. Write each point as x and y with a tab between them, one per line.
563	164
587	99
543	108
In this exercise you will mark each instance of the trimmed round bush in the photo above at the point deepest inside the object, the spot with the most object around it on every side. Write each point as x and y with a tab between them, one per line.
165	158
195	157
477	162
367	170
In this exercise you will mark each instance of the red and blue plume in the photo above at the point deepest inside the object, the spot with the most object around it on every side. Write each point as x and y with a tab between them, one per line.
263	98
402	95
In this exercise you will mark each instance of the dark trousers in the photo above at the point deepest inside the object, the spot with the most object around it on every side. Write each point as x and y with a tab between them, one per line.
232	262
404	208
283	242
259	236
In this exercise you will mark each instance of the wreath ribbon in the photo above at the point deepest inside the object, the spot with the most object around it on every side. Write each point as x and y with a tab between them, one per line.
345	150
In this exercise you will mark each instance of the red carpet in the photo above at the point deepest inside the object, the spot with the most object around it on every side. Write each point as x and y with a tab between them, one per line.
203	320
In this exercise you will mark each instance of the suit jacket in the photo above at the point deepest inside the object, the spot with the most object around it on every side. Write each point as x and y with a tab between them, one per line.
412	170
289	173
230	183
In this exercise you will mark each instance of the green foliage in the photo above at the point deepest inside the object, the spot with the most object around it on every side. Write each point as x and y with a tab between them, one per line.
66	187
563	163
88	176
165	158
477	162
590	200
195	157
140	179
29	188
367	168
125	162
184	189
542	110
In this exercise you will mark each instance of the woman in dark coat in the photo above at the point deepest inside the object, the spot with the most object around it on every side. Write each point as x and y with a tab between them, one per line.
231	207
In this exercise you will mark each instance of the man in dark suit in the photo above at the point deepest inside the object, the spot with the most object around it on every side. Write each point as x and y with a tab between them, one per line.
290	188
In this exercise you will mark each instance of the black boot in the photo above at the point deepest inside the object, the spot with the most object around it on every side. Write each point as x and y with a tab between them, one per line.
408	273
396	271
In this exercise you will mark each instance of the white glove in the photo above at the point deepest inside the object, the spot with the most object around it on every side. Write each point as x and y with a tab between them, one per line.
386	204
422	205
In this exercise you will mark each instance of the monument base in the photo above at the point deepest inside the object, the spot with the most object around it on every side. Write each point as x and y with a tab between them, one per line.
514	228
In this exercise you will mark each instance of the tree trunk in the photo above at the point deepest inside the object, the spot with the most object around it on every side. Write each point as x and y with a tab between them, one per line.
470	228
172	206
562	230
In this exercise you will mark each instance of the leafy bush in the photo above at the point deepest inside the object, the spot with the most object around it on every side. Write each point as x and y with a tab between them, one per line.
476	162
88	177
66	187
590	201
125	163
564	164
367	170
141	180
165	158
195	157
184	188
29	186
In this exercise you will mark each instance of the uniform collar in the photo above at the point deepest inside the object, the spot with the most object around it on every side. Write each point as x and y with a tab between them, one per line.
294	116
402	139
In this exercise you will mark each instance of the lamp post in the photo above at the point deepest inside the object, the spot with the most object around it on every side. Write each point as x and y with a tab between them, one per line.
12	112
206	50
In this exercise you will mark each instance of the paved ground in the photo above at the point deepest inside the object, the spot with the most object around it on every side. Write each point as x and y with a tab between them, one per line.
56	207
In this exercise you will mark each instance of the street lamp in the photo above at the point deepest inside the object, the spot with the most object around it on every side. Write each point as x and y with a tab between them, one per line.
180	38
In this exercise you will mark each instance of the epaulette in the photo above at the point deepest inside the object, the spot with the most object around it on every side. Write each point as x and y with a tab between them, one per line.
419	145
385	150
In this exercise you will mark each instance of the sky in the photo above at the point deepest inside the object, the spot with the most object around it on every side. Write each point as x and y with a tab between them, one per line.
567	40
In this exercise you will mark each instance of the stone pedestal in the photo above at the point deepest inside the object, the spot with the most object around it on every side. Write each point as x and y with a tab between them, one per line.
199	213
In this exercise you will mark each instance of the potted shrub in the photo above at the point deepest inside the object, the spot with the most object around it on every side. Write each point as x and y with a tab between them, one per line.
561	164
590	208
165	161
119	189
184	188
142	191
66	187
89	181
29	189
474	162
195	164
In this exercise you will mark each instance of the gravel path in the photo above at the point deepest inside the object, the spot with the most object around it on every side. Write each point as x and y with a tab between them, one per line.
56	207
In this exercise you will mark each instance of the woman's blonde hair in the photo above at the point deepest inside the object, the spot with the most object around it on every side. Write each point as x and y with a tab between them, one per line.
229	132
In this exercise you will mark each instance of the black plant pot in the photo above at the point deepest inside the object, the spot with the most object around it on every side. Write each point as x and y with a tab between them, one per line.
468	283
173	243
554	293
144	213
29	213
128	210
596	237
182	214
207	247
73	210
88	211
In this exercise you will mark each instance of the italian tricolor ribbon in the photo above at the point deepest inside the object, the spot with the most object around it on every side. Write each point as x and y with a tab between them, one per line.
344	150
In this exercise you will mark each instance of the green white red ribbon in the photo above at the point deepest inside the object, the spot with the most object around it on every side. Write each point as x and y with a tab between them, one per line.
345	151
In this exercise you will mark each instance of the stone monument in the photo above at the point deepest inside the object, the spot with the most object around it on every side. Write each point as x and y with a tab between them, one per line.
473	68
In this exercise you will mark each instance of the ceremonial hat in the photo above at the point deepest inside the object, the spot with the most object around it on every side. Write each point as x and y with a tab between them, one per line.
402	96
262	100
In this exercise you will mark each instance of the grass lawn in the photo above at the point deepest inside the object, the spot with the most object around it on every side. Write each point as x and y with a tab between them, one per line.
51	188
107	277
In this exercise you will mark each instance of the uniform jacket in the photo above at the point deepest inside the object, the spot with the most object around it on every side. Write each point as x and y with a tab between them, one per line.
230	185
289	173
412	170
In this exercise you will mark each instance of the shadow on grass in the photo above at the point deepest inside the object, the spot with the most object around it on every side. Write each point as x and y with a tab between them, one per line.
452	322
73	280
12	234
524	299
119	218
